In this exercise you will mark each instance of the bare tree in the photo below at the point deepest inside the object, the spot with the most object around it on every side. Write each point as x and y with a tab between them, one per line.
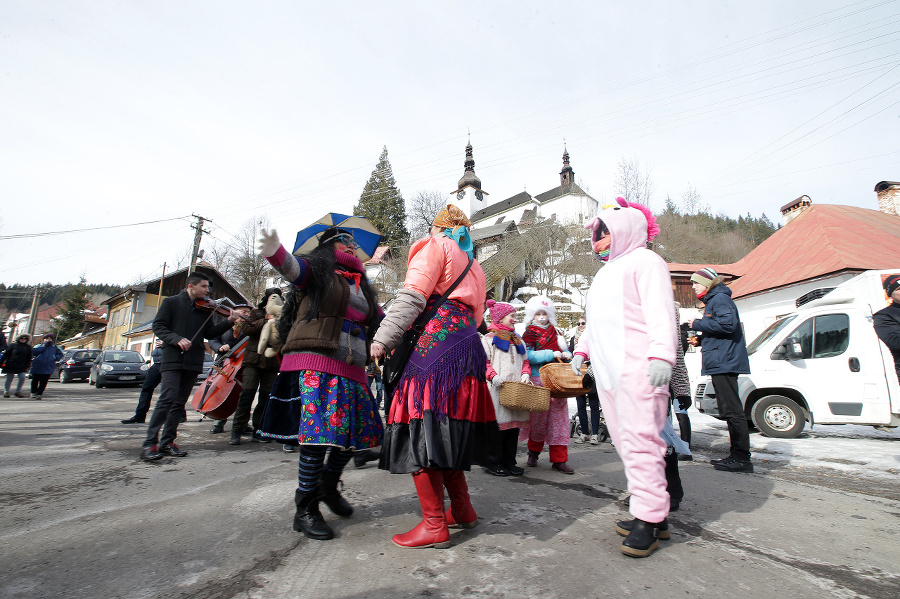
238	261
692	201
633	182
421	210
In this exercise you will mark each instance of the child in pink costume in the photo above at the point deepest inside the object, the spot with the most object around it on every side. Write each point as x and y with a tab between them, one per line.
631	338
545	345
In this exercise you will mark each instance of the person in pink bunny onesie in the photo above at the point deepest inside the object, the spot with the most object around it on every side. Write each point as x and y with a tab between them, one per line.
630	339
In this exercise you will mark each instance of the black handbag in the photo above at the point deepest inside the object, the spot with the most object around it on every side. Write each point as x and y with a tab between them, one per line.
395	363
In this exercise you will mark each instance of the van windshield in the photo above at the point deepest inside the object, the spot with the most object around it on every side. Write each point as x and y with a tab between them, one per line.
770	332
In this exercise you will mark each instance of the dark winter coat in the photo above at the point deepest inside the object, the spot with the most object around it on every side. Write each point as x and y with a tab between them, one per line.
887	327
722	338
3	344
45	358
16	358
178	319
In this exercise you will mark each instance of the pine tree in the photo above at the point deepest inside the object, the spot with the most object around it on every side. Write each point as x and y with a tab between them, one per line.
383	205
70	321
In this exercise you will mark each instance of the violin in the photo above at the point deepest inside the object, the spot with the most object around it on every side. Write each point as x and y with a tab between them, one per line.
217	397
215	307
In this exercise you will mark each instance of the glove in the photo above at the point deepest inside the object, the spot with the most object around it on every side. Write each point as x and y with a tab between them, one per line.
577	361
684	401
497	382
659	372
566	355
268	243
526	378
557	354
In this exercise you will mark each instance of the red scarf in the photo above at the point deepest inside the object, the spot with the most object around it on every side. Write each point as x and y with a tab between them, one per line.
350	276
540	338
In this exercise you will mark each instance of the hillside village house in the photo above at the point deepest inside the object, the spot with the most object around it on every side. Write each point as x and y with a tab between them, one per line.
819	247
131	312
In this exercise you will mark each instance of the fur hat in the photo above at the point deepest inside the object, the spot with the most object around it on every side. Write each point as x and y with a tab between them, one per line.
540	302
27	337
891	284
499	310
704	276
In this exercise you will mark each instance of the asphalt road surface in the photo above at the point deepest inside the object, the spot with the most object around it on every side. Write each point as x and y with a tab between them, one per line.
83	517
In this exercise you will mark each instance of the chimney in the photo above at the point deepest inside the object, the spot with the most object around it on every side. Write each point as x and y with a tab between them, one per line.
792	210
888	197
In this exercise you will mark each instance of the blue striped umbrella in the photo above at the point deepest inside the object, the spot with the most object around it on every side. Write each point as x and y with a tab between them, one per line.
363	231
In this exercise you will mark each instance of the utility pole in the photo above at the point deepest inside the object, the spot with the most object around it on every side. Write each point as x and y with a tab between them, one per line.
32	315
198	227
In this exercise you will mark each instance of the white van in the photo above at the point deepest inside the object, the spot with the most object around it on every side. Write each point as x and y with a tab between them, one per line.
822	364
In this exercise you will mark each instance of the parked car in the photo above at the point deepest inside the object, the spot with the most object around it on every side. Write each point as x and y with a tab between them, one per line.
207	368
75	365
119	367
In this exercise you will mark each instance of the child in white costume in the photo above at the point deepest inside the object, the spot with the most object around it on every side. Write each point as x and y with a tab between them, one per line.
545	344
507	361
631	338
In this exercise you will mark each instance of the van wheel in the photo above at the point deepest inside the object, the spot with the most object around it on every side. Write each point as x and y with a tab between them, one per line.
778	416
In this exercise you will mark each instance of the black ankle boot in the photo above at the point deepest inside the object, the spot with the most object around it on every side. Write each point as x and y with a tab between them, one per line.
308	518
330	496
643	538
361	458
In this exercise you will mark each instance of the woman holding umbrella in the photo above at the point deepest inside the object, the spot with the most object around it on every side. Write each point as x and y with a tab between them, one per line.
320	399
441	419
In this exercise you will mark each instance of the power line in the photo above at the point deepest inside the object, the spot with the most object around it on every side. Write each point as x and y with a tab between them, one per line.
149	222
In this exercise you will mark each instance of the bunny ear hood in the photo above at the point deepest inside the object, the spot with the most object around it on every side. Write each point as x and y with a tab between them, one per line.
540	302
630	226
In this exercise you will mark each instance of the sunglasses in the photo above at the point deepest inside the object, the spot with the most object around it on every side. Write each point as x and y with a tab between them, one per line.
581	324
346	240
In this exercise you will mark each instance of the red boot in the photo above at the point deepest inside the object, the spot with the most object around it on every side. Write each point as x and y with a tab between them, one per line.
432	530
461	511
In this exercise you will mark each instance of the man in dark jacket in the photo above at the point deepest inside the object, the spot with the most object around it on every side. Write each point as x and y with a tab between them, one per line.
724	357
182	328
15	363
887	320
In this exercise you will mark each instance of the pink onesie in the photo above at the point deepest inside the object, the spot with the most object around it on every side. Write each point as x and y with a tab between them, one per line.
630	321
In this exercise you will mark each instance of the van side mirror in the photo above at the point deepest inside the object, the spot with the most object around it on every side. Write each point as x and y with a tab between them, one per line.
792	349
789	349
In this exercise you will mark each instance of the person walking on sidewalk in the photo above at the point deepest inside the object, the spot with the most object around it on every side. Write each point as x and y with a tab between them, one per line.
182	327
46	355
15	363
724	357
150	384
441	419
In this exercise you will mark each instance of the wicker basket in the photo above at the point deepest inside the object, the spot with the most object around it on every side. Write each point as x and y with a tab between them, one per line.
524	396
562	381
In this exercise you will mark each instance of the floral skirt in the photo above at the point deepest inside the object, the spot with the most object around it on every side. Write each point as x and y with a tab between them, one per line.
316	408
441	412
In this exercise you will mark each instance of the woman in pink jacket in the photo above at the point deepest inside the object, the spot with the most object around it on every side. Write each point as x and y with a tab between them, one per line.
441	419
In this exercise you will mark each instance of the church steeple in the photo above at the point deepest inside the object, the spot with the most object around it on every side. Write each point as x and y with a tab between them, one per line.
566	175
468	195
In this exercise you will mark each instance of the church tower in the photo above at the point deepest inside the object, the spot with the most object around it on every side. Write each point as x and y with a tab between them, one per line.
469	196
566	175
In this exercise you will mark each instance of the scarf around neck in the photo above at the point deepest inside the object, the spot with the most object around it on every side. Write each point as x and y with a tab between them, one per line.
540	337
503	336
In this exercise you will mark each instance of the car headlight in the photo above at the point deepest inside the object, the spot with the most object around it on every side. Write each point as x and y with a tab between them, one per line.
145	367
106	367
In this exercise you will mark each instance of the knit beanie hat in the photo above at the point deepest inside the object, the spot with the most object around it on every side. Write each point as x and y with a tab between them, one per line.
49	336
499	310
704	276
891	284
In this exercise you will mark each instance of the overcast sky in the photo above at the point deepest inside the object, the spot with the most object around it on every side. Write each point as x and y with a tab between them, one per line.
113	113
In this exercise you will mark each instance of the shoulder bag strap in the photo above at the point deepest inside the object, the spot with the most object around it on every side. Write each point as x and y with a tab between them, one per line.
420	322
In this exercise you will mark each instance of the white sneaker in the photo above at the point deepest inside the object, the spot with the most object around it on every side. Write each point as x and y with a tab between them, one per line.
580	438
595	440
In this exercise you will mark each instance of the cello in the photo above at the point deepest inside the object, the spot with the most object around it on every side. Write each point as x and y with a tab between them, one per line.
218	395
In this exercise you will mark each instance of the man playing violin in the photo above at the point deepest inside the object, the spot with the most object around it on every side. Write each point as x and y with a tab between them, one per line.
182	326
